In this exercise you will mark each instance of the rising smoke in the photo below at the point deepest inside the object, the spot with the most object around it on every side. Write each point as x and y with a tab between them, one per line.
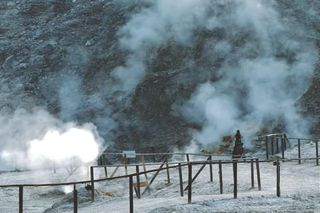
265	66
36	139
152	27
265	70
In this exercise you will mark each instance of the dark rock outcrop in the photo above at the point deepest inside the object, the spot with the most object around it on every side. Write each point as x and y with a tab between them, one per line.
47	44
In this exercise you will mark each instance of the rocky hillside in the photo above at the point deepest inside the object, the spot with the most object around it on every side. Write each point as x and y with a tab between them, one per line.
71	58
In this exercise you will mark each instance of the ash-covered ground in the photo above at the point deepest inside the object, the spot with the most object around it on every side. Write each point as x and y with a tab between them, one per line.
299	189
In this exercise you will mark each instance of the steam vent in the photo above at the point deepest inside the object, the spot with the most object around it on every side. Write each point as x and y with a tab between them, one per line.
83	78
152	75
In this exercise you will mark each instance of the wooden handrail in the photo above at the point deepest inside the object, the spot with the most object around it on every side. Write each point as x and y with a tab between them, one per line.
149	171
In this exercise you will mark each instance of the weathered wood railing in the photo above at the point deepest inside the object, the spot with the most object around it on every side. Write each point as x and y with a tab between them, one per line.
278	143
306	140
169	165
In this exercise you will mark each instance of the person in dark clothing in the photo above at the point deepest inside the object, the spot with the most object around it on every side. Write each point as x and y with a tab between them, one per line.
238	137
238	146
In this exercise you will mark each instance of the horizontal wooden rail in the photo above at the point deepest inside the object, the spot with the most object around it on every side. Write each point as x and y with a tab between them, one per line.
148	171
85	181
305	139
109	178
278	135
158	163
174	153
270	135
179	165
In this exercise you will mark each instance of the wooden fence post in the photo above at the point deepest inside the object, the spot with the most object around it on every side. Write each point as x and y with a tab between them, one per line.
252	173
278	178
106	171
131	194
220	177
125	161
317	153
258	174
282	147
285	139
189	182
138	181
235	179
168	173
199	171
180	180
210	165
277	144
20	199
299	151
267	149
188	158
272	145
144	166
92	182
154	156
105	165
75	199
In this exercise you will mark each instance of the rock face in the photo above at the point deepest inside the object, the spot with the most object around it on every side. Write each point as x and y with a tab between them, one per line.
62	49
310	102
60	54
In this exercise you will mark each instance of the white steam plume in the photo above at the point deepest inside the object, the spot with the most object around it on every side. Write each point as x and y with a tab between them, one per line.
36	139
152	27
59	147
265	70
264	65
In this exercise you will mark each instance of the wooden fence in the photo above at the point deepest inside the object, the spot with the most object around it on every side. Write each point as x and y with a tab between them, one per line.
270	141
170	165
278	143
